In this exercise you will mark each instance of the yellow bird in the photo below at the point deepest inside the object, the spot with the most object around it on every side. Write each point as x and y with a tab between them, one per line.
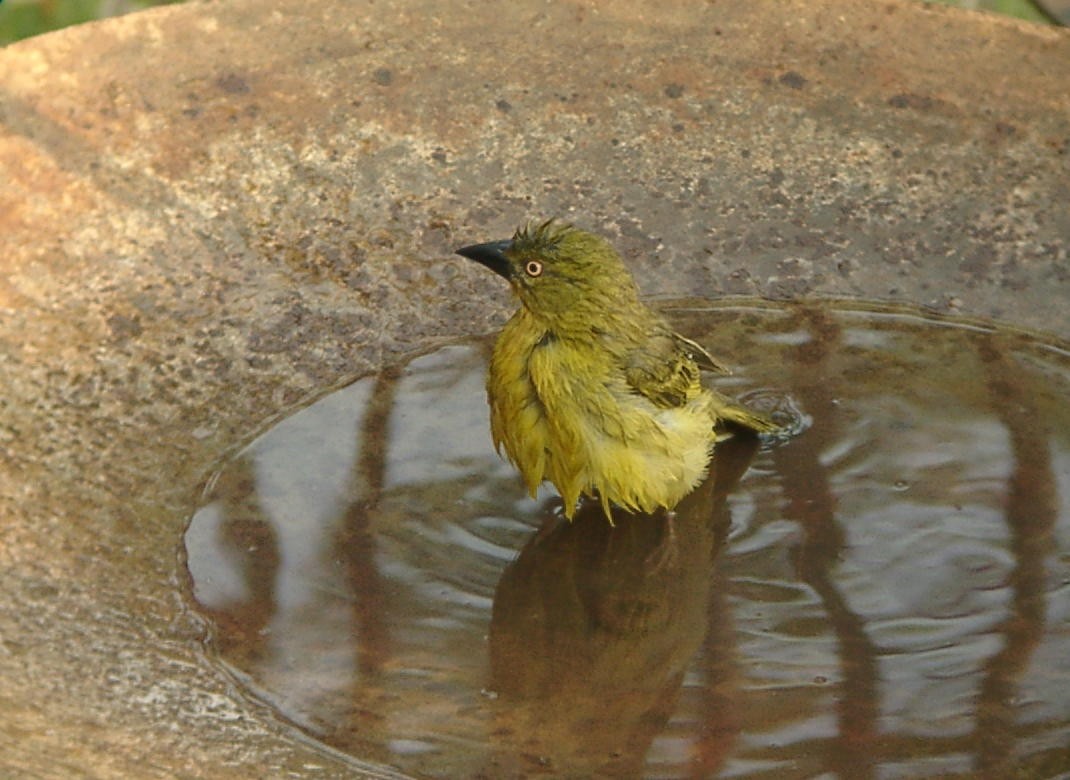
591	389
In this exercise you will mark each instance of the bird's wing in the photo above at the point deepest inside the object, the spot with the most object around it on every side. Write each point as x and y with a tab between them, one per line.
664	369
698	353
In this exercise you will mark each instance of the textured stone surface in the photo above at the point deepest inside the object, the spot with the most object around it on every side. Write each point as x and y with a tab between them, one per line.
211	212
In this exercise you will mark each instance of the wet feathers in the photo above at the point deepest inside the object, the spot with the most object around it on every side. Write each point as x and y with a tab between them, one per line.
588	387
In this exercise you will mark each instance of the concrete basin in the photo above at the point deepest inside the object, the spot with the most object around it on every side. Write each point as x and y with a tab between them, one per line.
211	212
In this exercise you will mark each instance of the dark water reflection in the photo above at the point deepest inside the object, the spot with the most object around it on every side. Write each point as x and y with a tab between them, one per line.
885	595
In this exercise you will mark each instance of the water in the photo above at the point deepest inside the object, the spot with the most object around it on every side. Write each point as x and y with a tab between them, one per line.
886	594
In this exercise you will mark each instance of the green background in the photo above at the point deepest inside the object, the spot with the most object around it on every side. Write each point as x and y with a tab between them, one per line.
23	18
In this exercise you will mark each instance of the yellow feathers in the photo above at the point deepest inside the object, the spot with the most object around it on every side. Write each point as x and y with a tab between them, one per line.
588	387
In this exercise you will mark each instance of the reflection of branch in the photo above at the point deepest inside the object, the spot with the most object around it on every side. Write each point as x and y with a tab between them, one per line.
811	503
250	537
720	685
357	539
719	713
1030	517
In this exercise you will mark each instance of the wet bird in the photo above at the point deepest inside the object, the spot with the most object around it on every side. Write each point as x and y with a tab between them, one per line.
591	389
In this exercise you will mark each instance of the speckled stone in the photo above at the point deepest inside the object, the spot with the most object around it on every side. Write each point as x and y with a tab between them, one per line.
211	212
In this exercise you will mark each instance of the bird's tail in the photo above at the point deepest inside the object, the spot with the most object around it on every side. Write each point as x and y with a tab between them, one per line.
731	416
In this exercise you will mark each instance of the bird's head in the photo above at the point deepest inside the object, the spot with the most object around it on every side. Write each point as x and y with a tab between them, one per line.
568	278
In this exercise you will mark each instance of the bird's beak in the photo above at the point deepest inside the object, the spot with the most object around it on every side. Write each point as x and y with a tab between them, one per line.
492	255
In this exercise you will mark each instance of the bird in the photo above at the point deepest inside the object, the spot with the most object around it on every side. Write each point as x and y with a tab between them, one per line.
591	389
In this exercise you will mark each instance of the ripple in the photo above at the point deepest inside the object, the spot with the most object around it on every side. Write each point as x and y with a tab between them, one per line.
888	571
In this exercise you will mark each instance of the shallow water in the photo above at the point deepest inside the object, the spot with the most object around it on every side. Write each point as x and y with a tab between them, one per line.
885	594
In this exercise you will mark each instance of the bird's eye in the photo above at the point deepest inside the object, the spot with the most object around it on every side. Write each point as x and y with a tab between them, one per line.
533	268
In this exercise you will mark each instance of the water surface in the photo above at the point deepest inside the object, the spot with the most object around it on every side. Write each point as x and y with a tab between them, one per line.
885	594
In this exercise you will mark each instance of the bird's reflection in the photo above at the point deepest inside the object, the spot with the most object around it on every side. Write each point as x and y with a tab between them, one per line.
593	626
